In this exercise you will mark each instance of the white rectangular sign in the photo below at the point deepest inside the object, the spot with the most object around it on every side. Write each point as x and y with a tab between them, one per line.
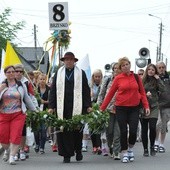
58	16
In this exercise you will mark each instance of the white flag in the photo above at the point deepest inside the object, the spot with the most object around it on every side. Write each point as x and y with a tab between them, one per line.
2	75
84	64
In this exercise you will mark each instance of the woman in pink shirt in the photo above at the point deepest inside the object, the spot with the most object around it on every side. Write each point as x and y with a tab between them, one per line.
14	101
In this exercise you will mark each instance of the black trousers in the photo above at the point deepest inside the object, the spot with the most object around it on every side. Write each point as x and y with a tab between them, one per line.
148	124
69	142
127	116
96	141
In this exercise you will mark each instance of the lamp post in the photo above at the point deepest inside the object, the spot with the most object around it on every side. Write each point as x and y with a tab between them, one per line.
157	49
160	36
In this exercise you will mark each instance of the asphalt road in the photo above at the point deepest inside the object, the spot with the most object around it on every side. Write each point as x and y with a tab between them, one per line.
51	161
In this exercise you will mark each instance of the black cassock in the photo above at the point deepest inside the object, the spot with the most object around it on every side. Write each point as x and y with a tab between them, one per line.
70	142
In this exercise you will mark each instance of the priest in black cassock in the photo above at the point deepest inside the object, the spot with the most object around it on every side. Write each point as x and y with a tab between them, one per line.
69	96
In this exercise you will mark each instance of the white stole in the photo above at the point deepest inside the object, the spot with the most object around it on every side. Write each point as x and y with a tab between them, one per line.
60	86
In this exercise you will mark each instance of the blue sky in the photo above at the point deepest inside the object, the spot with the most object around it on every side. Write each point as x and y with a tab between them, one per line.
105	30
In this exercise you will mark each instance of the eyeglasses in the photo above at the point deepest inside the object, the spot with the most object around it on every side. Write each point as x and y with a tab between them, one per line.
140	74
18	71
9	72
161	67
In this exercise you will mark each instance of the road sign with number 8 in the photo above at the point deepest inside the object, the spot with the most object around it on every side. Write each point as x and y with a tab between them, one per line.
58	16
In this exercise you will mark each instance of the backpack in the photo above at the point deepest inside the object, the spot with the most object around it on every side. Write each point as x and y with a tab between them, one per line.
137	80
164	97
108	80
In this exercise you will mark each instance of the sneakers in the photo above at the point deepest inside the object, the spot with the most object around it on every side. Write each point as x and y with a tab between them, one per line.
36	148
12	160
22	156
51	142
125	159
94	150
99	151
16	157
42	151
145	153
138	139
54	148
104	152
26	149
5	156
84	149
117	156
131	156
111	152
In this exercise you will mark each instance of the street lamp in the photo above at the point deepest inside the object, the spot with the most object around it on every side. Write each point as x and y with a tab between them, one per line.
157	49
160	36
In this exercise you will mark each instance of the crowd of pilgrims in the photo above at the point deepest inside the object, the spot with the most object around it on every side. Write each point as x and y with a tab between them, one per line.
135	102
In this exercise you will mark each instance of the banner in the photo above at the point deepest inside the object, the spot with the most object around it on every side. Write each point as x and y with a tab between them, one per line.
84	64
2	75
11	58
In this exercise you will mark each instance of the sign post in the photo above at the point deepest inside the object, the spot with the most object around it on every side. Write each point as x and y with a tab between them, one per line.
58	16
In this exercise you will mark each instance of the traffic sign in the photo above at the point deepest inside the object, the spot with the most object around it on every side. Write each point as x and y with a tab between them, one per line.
58	16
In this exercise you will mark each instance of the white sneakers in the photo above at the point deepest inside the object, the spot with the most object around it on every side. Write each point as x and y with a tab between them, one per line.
116	156
128	157
125	159
16	157
22	156
5	156
84	149
12	160
131	156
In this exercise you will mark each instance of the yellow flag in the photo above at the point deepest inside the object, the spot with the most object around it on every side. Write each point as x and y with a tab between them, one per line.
11	58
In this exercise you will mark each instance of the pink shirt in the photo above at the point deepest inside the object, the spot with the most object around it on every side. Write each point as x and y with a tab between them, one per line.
11	101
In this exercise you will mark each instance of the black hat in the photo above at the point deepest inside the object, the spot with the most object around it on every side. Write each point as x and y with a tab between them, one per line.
69	55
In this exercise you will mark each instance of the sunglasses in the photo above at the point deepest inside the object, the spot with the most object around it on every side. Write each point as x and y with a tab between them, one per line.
141	74
18	71
9	72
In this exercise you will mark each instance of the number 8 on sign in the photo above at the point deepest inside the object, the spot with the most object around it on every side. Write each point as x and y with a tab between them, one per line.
58	12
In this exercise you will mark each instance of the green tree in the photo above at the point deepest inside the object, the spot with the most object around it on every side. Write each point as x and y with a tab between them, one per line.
8	30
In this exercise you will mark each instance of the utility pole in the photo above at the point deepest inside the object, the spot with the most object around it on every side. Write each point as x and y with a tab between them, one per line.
160	37
35	45
160	42
35	37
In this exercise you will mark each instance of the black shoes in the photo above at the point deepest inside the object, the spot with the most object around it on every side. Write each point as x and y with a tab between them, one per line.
79	156
152	151
146	153
66	160
36	148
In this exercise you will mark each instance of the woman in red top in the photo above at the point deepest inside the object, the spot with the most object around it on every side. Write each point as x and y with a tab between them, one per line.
128	96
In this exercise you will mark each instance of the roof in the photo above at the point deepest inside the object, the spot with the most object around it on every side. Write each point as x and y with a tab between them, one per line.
31	56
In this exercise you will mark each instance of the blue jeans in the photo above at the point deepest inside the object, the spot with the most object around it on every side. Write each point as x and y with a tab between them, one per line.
41	136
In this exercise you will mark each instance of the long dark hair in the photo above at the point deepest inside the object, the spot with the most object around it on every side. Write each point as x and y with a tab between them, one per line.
151	79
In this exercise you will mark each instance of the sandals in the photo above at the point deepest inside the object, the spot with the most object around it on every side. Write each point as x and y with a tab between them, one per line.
161	149
156	147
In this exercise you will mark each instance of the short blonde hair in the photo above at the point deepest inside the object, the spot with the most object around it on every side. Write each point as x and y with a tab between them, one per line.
21	66
121	61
